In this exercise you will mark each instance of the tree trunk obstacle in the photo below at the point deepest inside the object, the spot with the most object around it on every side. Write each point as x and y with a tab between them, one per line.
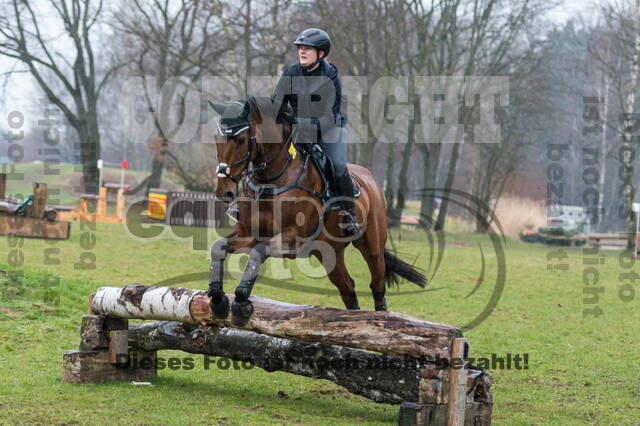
417	364
81	213
31	217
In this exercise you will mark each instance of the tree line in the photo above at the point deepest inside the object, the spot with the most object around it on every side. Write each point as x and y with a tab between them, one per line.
83	53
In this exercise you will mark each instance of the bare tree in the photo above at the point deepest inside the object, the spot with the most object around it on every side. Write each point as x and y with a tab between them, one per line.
490	37
618	56
494	164
68	62
415	25
171	46
361	49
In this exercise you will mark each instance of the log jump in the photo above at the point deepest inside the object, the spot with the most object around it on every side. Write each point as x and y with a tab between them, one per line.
81	213
415	363
30	217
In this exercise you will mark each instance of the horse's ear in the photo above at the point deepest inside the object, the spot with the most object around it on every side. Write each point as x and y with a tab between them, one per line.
256	115
217	107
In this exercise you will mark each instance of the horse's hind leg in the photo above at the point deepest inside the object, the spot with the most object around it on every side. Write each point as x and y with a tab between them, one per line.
371	246
340	277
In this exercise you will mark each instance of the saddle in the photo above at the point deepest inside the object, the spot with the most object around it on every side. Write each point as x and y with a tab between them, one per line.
325	168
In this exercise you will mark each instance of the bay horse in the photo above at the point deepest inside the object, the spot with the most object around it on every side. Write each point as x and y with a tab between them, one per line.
281	212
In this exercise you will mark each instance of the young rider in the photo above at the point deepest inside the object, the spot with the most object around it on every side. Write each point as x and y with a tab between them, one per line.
312	88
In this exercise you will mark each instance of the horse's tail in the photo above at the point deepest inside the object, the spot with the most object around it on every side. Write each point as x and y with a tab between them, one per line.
395	268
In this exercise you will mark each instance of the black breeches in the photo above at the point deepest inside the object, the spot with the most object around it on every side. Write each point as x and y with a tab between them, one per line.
334	145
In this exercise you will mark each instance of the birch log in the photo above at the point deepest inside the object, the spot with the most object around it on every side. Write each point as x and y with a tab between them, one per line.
386	332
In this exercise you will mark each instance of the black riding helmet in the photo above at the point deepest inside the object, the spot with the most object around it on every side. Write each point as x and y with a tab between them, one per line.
314	37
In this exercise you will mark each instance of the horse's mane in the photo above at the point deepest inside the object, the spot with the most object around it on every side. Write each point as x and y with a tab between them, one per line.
268	109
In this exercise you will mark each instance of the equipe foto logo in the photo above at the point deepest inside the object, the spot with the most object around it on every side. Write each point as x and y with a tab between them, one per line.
487	265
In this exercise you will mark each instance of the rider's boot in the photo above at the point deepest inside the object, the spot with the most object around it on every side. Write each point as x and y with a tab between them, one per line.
345	189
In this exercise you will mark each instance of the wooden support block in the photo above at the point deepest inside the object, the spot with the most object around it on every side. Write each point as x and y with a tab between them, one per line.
95	366
119	347
67	214
39	200
478	404
479	399
434	385
409	412
102	202
94	332
479	387
477	414
112	323
120	204
83	206
457	382
413	414
30	227
3	185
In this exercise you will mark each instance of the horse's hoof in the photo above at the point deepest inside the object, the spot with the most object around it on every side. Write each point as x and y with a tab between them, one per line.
381	305
220	310
241	312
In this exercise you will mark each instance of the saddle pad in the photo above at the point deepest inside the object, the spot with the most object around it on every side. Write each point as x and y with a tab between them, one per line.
322	165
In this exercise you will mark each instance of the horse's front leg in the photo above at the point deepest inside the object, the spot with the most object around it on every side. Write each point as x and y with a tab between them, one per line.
242	308
217	299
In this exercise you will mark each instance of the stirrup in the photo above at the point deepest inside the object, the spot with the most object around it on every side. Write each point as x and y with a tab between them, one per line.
233	212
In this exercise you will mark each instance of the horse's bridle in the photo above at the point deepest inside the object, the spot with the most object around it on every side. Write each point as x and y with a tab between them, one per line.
224	169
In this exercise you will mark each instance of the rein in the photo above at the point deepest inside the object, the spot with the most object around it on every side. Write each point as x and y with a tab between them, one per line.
266	190
224	170
264	164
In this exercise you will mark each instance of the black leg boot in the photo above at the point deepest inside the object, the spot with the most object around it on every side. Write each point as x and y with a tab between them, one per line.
345	189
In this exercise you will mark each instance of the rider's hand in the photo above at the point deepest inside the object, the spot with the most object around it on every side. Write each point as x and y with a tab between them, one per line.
304	122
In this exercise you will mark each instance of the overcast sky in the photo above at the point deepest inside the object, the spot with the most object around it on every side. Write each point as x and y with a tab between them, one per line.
569	9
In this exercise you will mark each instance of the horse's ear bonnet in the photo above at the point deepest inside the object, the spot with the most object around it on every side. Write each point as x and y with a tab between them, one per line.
235	117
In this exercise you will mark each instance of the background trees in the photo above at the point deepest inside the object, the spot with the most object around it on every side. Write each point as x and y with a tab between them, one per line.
84	53
59	53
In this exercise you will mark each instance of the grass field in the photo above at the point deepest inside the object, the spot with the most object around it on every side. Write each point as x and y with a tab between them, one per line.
580	369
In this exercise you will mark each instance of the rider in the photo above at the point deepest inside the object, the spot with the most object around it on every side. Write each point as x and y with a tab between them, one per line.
312	88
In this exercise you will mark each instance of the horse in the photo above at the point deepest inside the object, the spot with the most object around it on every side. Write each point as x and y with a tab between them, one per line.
281	212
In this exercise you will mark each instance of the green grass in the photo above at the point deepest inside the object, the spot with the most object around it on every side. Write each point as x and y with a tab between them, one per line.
580	370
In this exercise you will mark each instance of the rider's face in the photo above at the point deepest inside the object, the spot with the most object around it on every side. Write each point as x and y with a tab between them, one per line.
307	55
